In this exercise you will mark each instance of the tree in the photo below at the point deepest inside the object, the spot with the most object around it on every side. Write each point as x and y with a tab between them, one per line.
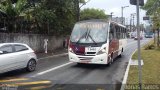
54	17
153	9
14	11
60	14
91	13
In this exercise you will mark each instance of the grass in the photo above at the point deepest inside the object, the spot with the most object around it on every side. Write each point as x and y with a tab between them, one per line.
150	69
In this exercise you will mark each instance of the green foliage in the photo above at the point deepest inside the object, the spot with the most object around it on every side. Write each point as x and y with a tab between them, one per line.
153	9
55	17
64	15
92	14
149	47
13	10
149	6
82	1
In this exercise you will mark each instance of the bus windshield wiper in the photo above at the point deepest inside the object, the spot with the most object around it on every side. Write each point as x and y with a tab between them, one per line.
82	36
91	37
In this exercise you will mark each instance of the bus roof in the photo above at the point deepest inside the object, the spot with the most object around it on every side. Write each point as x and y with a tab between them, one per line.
117	24
94	20
102	20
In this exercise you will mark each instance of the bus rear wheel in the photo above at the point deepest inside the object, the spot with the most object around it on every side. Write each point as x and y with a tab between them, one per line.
121	53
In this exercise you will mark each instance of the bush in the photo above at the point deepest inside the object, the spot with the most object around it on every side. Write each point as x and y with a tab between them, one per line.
150	47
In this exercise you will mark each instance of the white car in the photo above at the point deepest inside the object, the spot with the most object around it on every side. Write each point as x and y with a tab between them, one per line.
16	56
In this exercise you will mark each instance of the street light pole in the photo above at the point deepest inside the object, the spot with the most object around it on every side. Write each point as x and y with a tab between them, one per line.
139	50
111	15
122	13
132	21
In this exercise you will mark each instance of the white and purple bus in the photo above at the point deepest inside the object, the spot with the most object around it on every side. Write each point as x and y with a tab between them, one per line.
97	41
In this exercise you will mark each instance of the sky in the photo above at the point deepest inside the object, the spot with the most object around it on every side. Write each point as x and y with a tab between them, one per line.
115	6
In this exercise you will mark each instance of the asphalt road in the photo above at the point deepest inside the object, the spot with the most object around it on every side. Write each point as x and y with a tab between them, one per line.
58	73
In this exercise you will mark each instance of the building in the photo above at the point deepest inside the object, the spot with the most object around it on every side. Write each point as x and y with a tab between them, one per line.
119	20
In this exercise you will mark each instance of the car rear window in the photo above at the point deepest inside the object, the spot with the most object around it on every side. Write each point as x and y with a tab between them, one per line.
20	48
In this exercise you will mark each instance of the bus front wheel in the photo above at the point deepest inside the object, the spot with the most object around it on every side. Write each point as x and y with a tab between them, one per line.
110	61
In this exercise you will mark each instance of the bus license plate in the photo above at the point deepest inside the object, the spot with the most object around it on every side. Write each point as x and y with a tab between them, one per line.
90	49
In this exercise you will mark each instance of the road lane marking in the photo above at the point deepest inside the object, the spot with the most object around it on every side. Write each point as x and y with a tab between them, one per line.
29	83
52	69
39	87
13	80
53	56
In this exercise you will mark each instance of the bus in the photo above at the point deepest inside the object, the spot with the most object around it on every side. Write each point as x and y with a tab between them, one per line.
97	42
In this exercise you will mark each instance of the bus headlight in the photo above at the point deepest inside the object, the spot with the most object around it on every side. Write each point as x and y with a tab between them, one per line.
102	51
70	50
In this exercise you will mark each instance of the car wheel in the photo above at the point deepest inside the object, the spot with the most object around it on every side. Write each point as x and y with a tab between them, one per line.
31	66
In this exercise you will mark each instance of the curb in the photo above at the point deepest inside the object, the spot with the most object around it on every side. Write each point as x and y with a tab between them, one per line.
126	72
58	55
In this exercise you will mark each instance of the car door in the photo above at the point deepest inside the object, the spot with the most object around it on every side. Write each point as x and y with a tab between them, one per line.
21	55
6	58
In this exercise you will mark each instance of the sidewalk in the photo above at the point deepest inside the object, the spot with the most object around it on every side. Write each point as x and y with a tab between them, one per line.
56	52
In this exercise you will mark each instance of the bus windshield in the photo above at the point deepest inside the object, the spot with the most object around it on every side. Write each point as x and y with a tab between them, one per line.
89	32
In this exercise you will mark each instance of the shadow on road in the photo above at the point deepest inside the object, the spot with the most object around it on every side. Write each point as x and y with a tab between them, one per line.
96	66
15	73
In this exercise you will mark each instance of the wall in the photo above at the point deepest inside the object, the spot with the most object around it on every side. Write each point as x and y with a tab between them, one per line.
35	41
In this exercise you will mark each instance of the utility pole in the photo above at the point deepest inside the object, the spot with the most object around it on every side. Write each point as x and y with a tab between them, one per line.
138	3
122	14
133	22
78	7
126	22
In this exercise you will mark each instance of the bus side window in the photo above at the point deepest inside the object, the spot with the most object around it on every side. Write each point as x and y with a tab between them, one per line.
118	32
122	33
126	33
111	32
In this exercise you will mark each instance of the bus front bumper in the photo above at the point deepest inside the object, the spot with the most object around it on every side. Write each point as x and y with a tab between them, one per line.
97	59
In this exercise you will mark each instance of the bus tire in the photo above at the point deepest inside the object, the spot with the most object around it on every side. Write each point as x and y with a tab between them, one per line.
79	64
110	61
121	53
